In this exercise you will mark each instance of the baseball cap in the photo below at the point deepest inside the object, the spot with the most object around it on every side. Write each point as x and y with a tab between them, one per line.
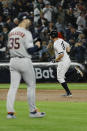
22	16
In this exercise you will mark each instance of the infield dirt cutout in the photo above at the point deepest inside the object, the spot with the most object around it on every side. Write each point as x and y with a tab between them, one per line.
48	95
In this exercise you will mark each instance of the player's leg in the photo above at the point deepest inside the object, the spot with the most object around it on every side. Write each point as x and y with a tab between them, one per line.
15	81
64	84
61	70
29	78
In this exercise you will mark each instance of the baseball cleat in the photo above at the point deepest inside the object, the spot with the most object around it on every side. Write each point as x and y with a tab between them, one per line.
67	95
11	116
79	71
36	114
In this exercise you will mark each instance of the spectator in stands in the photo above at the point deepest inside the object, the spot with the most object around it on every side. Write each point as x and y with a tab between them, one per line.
77	10
85	34
73	3
15	22
83	39
69	17
47	11
50	50
36	14
78	48
2	47
14	9
43	51
1	20
79	52
54	2
20	6
6	9
9	23
71	35
60	14
1	40
43	21
40	4
81	22
48	15
59	26
28	5
5	34
51	26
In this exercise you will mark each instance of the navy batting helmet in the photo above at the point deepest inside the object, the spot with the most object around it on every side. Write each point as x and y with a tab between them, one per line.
22	16
54	34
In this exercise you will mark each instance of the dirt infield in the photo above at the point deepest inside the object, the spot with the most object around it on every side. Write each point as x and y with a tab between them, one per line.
48	95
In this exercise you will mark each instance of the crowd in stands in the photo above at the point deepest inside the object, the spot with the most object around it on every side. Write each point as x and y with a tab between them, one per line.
68	17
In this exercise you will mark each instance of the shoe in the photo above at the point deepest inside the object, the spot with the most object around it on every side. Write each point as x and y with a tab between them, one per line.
11	116
67	95
79	71
37	114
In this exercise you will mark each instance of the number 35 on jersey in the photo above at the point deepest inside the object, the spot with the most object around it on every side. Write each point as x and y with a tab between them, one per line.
14	43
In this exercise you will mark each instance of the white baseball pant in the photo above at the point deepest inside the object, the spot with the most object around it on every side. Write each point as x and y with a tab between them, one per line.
62	68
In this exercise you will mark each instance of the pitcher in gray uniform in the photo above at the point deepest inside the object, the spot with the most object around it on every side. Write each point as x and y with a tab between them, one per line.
20	44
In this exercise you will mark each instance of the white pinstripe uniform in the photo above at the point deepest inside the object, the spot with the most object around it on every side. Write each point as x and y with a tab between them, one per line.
63	65
21	66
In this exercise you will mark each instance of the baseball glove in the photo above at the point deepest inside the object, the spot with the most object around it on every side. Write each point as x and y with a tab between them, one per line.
38	40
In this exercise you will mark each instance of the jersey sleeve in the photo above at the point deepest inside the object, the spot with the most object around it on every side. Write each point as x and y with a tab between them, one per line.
28	40
66	44
58	47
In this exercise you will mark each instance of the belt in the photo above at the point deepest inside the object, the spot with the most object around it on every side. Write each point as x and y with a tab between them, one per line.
17	57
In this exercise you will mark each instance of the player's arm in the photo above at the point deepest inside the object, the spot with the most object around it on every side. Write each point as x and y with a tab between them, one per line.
36	47
68	48
31	48
59	48
60	56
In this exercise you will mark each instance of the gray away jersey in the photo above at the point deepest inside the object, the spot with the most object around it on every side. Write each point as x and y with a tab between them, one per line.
19	40
60	47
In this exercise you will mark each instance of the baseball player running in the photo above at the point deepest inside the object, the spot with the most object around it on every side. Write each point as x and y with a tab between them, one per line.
20	44
61	48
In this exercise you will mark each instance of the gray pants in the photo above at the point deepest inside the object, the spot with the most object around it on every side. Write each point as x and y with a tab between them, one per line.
21	67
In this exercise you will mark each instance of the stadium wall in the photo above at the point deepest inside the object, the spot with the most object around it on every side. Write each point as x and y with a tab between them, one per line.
46	72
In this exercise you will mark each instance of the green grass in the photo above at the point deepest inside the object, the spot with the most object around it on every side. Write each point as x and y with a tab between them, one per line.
52	86
60	116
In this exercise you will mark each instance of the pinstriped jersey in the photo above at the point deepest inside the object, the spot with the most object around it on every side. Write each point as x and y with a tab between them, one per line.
19	40
60	47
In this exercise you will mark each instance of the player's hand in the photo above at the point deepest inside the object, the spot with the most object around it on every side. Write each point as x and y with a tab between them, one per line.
38	44
53	60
